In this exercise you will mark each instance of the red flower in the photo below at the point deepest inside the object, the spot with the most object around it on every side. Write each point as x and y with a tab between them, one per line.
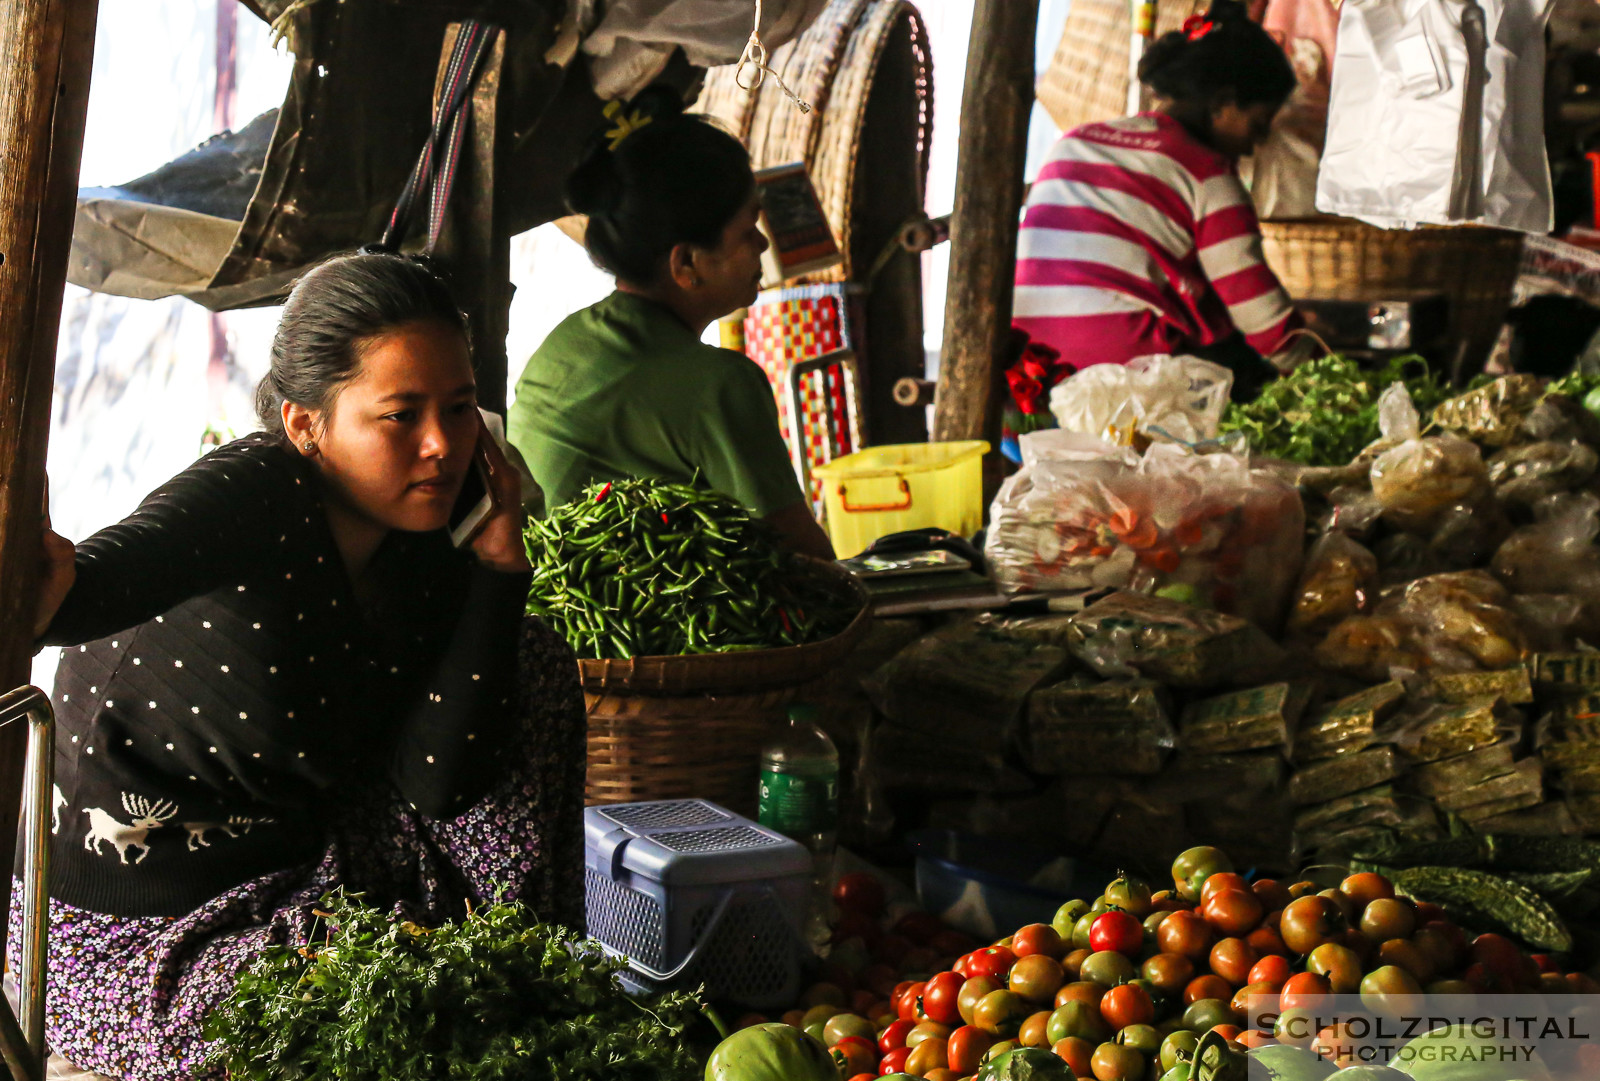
1031	377
1196	27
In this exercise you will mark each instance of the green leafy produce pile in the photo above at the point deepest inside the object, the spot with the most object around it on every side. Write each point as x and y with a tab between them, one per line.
1326	411
498	995
1575	385
642	568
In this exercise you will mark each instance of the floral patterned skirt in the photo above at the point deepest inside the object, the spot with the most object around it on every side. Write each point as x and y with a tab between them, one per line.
127	997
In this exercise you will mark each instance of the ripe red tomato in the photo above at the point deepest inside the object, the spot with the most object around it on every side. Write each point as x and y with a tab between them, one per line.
894	1037
1204	987
854	1055
1223	880
1038	938
1231	911
1117	932
968	1045
1304	991
1127	1005
992	961
907	1006
963	966
894	1062
919	927
1273	969
1185	933
1232	959
859	892
1308	922
939	998
1274	894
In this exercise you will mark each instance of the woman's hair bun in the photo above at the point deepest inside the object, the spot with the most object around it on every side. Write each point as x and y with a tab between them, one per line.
595	186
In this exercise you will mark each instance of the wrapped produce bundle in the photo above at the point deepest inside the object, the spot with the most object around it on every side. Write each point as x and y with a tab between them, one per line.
1208	527
1433	732
1331	778
1371	647
1439	779
1347	725
1129	635
1092	727
1491	414
1245	720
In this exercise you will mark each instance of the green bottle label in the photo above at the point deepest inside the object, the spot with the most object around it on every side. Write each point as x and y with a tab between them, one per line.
796	804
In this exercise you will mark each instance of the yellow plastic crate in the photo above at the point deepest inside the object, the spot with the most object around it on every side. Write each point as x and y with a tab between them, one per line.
883	490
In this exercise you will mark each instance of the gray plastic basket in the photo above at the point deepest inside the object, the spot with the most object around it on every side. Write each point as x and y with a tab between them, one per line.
689	893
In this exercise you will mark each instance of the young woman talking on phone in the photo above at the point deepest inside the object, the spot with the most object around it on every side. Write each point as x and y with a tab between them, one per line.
282	678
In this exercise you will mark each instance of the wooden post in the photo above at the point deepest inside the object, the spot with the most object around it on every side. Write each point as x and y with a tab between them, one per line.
995	106
44	95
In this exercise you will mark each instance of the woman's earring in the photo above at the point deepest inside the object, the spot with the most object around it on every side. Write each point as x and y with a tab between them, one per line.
309	447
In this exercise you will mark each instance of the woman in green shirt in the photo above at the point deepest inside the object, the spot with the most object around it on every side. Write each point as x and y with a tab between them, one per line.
626	388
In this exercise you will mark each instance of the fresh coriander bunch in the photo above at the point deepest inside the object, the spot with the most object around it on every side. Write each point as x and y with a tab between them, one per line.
498	996
1325	412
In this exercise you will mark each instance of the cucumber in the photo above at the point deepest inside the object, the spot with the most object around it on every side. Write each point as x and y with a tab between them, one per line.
1450	852
1553	885
1488	902
1508	853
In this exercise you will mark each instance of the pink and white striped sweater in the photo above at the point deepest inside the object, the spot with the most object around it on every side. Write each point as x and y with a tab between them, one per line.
1140	240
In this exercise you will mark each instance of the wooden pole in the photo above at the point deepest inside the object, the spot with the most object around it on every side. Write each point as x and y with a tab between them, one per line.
44	95
995	106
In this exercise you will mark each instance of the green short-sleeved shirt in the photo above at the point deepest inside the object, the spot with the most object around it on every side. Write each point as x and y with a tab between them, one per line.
624	389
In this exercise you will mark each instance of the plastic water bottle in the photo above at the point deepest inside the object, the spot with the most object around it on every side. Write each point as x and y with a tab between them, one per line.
799	798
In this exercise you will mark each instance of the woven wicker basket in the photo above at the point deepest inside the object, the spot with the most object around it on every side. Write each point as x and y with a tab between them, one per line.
832	66
1087	80
674	727
1337	259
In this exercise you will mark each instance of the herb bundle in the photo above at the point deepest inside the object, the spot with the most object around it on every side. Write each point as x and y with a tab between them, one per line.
1325	412
495	997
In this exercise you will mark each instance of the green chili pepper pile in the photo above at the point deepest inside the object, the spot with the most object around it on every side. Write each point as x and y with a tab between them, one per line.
641	568
1325	412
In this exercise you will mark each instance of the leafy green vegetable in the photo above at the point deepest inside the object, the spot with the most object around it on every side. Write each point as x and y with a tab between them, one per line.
1326	411
495	997
1575	384
643	568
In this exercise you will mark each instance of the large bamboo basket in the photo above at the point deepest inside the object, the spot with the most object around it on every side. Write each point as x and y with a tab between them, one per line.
1475	268
833	65
674	727
1087	80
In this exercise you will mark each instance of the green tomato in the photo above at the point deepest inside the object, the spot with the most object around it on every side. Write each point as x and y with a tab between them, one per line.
1591	401
1207	1014
772	1052
1142	1038
1178	1046
1026	1064
1067	917
847	1024
1080	930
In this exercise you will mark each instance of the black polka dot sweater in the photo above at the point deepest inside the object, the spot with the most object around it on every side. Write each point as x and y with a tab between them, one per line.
224	693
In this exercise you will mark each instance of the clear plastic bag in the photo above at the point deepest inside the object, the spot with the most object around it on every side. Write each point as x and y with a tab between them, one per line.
1340	580
1207	526
1420	479
1464	614
1467	535
1163	398
1556	554
1523	475
1492	414
1129	635
1371	648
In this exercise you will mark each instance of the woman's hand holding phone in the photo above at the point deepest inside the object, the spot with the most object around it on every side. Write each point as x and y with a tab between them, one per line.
499	544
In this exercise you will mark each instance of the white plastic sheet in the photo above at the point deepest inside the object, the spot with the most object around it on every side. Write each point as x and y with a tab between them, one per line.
1400	77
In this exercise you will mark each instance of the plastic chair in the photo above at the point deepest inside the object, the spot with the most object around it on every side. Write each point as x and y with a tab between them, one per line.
22	1039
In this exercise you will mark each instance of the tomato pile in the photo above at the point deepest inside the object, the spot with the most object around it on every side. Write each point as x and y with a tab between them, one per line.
1123	988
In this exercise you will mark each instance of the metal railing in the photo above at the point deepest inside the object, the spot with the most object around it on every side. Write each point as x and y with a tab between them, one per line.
22	1040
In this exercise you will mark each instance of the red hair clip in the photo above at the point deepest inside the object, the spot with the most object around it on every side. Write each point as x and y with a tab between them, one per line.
1196	27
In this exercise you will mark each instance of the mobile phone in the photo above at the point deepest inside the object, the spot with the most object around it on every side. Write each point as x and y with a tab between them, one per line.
477	503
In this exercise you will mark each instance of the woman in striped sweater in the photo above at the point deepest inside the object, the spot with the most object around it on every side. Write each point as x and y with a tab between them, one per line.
1139	237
